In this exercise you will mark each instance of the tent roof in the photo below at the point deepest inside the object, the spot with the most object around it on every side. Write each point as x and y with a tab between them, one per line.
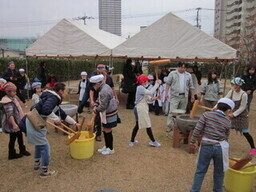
69	38
173	38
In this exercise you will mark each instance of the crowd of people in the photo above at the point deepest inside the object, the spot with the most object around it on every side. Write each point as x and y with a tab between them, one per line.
174	90
177	91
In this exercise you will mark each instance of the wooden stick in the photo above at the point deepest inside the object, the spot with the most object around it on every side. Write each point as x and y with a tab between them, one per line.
252	165
203	107
73	138
82	123
159	62
57	127
68	128
90	125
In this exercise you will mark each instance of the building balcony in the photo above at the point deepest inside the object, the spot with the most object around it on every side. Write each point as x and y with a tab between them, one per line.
234	3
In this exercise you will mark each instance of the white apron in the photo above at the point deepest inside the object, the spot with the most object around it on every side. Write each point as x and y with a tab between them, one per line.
143	114
142	108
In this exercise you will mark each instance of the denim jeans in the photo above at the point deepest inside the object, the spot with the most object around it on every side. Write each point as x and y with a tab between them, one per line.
207	153
42	153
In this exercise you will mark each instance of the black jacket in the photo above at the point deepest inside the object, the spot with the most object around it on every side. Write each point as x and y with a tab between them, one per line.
48	101
250	82
129	79
14	74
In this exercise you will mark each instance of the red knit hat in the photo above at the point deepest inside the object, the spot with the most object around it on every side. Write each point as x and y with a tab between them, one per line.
141	79
9	87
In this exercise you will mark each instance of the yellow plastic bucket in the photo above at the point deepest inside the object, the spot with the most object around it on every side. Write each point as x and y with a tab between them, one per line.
239	180
83	147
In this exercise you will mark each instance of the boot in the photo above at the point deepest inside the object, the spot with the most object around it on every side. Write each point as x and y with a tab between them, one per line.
23	151
14	155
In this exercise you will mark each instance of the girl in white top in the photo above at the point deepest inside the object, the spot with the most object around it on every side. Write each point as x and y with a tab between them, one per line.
37	90
141	110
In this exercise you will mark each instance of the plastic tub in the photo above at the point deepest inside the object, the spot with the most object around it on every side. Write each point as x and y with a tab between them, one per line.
82	148
239	180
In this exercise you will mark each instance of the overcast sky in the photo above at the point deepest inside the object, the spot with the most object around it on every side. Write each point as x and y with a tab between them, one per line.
35	17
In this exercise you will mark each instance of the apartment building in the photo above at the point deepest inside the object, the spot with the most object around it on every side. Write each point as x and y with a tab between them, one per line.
110	16
235	23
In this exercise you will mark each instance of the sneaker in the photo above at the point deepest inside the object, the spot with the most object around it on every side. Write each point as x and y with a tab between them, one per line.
102	149
98	138
154	144
47	174
253	151
108	151
133	143
37	166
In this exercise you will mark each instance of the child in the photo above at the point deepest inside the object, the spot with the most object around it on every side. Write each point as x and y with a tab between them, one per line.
106	105
52	80
141	110
37	91
149	86
158	102
48	108
215	127
11	118
166	101
83	91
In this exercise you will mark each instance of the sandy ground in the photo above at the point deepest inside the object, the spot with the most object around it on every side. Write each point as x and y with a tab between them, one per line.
131	169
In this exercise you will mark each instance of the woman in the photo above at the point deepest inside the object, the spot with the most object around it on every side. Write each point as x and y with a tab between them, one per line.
129	83
212	90
250	84
106	105
239	116
141	110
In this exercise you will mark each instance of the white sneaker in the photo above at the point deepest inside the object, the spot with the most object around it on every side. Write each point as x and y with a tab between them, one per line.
133	143
154	144
102	149
108	151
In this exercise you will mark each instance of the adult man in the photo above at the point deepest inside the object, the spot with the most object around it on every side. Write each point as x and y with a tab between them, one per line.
180	83
12	75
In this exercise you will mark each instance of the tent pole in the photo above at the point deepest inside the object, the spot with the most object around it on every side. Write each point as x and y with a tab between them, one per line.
225	81
222	70
28	87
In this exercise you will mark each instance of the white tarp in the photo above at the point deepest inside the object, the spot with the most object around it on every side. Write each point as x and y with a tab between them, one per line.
69	38
171	37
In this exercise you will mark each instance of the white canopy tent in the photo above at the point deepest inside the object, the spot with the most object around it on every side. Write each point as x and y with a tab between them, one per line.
71	39
173	38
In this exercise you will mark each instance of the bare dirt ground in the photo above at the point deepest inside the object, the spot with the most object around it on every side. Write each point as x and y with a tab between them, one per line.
131	169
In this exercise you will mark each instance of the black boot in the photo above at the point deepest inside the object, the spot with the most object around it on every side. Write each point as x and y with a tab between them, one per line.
14	155
23	151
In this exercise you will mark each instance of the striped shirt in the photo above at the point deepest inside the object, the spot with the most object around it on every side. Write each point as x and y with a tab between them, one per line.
212	125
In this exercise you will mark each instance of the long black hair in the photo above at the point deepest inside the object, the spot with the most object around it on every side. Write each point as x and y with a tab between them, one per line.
210	79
